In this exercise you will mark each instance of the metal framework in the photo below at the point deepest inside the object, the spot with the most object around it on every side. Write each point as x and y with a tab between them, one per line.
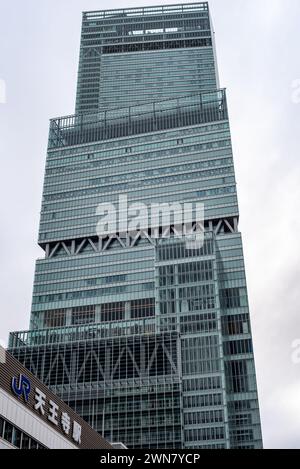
146	11
122	386
98	244
78	129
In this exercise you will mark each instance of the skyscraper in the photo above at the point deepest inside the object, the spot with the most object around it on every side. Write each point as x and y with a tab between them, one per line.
140	55
147	337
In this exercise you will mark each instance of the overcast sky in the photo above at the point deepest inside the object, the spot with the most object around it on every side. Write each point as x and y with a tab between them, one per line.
259	64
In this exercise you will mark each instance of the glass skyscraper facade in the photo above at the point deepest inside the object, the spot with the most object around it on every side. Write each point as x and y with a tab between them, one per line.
140	55
146	338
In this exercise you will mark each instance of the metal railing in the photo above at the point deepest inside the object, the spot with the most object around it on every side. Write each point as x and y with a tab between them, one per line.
196	109
65	334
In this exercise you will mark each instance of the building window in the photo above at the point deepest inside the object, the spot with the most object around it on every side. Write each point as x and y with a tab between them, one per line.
233	298
113	311
142	308
237	376
25	441
83	315
17	437
55	318
8	431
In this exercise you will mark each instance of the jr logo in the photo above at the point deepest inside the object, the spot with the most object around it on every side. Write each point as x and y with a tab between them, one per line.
23	387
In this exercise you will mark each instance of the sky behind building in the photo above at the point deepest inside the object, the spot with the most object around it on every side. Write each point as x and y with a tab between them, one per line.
259	64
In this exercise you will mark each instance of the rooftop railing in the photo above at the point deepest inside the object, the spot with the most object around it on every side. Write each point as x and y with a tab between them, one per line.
69	334
146	11
184	111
